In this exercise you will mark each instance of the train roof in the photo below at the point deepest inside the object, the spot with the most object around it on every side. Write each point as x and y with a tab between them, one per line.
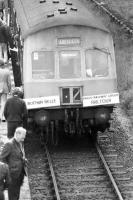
36	15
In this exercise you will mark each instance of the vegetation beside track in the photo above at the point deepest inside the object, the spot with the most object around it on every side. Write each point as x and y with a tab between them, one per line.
121	135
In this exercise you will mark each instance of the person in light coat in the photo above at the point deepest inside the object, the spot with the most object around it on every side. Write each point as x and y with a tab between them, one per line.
5	86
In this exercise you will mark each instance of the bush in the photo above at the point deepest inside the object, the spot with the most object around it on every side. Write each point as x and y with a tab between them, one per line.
127	101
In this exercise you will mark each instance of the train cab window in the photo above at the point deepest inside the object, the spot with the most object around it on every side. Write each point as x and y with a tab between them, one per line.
96	63
43	65
69	64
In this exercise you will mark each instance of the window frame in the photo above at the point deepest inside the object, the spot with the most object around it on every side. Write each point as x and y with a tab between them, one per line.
80	62
43	79
108	63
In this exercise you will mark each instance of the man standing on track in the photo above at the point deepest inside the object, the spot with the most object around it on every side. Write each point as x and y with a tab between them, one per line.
13	154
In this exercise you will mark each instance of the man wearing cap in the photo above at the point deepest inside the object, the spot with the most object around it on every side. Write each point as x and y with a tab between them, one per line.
15	112
5	86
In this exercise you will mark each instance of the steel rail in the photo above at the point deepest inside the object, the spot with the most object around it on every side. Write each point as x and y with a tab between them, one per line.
52	173
109	173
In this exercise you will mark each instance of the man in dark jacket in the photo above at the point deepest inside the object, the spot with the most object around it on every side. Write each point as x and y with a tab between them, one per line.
13	154
15	112
4	179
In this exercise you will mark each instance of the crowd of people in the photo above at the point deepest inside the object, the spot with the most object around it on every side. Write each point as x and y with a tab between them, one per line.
12	110
12	156
6	42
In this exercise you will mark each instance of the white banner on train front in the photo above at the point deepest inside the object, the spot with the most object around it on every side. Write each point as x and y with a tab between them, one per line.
102	99
42	102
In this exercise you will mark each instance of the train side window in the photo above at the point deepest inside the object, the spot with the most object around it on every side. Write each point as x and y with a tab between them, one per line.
96	63
69	64
43	65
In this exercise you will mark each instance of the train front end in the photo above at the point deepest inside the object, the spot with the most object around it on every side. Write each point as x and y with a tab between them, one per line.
70	76
69	71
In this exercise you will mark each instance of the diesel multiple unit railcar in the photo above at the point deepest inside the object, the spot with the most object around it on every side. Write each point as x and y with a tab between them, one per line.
69	70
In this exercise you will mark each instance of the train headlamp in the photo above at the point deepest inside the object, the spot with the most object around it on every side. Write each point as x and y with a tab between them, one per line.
102	116
41	117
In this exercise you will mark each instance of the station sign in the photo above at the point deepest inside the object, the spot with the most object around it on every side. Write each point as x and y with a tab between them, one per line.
68	41
102	99
42	102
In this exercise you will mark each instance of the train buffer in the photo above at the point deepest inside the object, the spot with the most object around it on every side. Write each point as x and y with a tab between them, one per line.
25	189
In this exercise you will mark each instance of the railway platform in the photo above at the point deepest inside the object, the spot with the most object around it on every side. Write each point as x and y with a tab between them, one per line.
25	189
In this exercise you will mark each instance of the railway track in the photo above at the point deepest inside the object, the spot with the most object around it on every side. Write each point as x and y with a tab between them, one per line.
121	175
75	171
81	175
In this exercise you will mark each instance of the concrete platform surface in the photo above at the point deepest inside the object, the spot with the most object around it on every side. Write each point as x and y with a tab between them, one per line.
25	190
